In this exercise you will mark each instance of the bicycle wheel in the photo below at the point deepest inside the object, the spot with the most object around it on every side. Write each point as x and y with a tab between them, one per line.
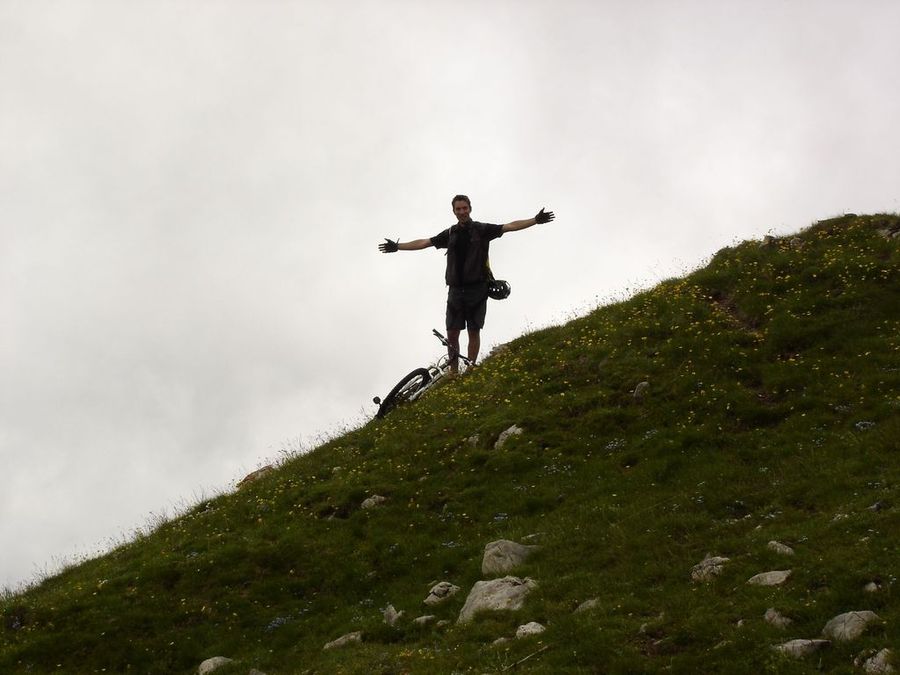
405	388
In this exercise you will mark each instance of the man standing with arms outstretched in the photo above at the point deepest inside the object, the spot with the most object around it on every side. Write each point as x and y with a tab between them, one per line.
468	274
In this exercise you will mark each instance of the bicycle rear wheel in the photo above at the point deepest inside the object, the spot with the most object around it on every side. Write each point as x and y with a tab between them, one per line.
405	388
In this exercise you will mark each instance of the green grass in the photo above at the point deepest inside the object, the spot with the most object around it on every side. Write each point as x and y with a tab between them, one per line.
773	413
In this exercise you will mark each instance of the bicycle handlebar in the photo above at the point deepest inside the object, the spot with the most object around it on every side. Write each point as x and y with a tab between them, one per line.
453	353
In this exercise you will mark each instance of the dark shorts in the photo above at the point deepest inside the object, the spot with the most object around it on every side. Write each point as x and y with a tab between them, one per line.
467	306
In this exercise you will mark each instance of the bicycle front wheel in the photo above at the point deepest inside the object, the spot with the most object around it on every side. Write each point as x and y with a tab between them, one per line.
405	388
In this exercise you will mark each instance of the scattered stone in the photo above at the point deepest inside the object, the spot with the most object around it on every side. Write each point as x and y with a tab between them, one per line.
344	640
373	501
508	593
537	536
587	605
254	671
849	626
878	506
800	648
872	587
774	578
776	618
640	391
443	623
767	242
875	663
496	351
501	641
213	664
864	425
796	242
529	629
391	615
506	435
424	620
708	568
441	592
255	476
503	556
472	441
780	548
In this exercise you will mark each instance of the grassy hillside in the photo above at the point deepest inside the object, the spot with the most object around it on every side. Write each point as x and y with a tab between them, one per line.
772	413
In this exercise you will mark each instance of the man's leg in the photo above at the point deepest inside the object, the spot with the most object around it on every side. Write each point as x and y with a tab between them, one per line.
453	350
474	344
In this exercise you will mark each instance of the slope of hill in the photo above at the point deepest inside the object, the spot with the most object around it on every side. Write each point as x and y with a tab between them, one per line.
772	413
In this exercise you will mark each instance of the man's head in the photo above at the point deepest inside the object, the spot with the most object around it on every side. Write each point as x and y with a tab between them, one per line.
462	208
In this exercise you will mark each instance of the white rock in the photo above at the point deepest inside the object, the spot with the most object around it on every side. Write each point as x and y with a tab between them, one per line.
872	587
774	578
503	556
708	568
255	475
531	628
373	501
780	548
776	618
506	435
424	620
344	640
501	641
641	390
848	626
213	664
391	615
441	592
801	648
880	663
508	593
254	671
587	605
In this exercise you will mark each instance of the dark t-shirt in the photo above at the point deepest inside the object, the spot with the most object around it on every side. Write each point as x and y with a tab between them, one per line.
467	251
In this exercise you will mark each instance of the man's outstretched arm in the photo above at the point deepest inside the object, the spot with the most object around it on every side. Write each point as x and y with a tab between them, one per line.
541	217
392	246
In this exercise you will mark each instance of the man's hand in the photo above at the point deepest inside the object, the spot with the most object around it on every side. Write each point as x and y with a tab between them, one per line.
388	246
543	217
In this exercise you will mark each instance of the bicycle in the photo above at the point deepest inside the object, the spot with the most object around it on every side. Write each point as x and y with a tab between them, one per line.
414	385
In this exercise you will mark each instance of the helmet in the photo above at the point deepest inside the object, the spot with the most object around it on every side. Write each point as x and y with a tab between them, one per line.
498	289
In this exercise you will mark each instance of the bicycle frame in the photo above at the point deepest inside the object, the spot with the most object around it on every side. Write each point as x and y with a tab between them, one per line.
436	372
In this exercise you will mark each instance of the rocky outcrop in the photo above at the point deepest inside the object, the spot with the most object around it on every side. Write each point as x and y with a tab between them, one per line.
213	664
708	568
345	640
503	556
373	501
774	578
508	593
848	626
506	435
800	648
440	592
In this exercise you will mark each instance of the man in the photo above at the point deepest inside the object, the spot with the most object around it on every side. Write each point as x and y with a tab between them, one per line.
467	275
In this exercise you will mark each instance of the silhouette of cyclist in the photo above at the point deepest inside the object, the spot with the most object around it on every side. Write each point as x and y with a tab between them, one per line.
467	243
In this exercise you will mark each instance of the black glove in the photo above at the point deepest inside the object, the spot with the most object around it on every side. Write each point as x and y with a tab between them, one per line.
542	217
389	246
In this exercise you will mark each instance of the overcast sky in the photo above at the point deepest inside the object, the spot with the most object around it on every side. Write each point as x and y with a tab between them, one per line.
191	196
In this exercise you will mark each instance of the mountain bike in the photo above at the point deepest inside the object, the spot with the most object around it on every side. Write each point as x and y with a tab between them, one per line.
414	385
